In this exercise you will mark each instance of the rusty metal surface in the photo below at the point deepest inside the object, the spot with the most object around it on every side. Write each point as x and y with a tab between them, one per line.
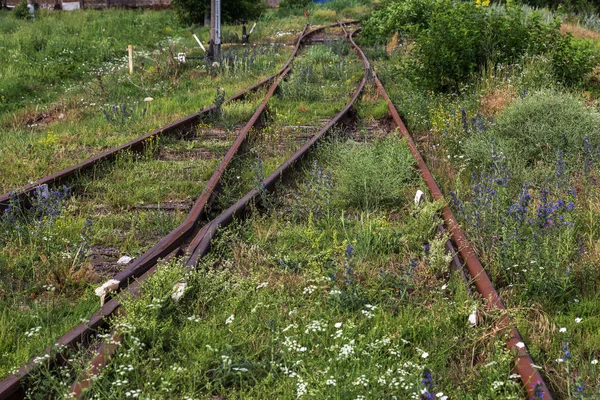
135	145
531	377
106	351
201	243
11	387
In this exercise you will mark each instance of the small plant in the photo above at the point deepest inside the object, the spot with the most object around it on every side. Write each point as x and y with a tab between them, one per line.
21	10
120	115
218	101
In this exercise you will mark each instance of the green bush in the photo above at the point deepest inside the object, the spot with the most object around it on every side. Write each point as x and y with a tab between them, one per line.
410	17
535	127
22	11
462	38
572	60
455	40
370	176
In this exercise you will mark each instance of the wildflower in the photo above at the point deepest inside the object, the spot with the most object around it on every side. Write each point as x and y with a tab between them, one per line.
361	380
566	350
315	326
309	289
338	325
331	381
367	314
562	330
538	391
424	355
578	320
33	331
301	388
346	351
594	362
230	319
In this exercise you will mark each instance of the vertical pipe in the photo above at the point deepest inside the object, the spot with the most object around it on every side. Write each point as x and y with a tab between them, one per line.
211	48
217	27
130	51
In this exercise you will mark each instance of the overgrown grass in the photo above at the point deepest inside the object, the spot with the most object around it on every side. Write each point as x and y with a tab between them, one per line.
343	304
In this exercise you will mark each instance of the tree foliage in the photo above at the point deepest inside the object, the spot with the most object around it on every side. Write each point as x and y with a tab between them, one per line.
192	11
454	40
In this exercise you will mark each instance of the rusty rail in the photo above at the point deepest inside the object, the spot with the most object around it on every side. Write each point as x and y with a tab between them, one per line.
145	266
200	244
530	376
138	144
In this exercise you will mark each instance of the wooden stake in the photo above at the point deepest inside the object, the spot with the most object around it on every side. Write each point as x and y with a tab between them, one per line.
130	50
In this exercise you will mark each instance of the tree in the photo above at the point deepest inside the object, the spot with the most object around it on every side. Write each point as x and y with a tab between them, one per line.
192	11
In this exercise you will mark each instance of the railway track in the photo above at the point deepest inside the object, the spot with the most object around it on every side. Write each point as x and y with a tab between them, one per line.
14	386
192	244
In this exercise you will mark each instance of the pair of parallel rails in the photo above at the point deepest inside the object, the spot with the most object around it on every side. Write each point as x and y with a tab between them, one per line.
192	238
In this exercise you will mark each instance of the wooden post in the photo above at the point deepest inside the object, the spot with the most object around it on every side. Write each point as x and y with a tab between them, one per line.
130	50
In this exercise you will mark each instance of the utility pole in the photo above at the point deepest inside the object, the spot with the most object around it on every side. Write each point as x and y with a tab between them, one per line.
215	29
218	27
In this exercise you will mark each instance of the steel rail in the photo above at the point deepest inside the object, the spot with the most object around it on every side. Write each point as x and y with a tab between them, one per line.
204	237
530	376
201	242
12	388
136	145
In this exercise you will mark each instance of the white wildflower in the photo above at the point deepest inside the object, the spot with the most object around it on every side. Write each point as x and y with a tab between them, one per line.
361	381
309	289
301	388
230	319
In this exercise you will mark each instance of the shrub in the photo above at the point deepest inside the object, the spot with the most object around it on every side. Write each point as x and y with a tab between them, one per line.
410	17
536	127
21	10
374	175
455	40
572	60
462	38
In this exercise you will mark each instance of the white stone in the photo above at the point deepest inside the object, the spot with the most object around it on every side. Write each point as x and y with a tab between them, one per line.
124	260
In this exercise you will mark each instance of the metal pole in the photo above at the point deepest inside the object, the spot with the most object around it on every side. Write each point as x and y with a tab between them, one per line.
211	43
217	27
